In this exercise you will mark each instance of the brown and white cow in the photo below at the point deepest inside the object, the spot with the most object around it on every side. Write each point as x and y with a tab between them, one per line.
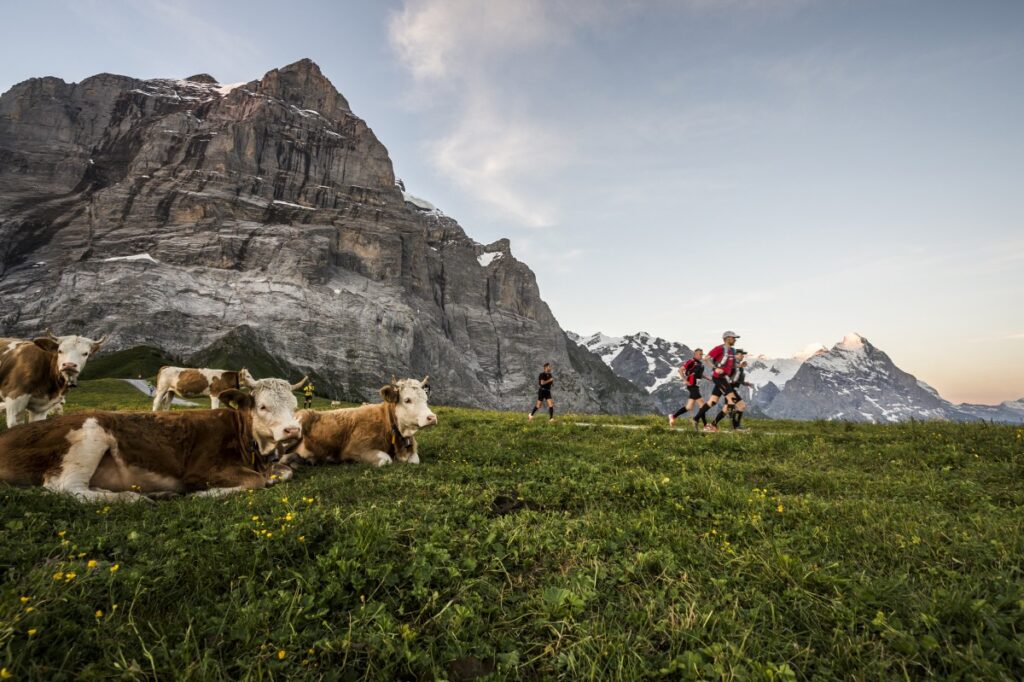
186	382
109	456
373	434
36	374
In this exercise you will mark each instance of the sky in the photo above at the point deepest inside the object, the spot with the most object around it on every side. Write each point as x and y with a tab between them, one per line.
791	169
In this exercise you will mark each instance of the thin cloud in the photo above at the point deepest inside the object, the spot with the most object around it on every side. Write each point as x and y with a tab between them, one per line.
495	152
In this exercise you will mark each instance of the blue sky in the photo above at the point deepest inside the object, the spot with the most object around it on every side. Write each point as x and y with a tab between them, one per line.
794	169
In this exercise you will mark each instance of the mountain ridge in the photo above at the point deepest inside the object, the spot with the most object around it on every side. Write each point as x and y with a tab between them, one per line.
852	380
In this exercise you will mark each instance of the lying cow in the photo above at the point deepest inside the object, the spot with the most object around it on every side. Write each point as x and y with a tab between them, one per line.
109	456
186	382
373	434
35	375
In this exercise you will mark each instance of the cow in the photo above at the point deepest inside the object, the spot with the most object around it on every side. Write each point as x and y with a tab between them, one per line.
36	374
124	456
374	434
192	383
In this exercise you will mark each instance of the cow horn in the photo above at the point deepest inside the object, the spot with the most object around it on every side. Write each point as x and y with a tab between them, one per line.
51	335
99	342
394	381
301	383
426	380
247	379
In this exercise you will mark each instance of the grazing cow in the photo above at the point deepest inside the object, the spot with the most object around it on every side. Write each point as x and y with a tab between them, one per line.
192	383
108	456
35	375
372	434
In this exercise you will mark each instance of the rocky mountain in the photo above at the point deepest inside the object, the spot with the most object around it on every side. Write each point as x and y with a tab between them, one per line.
1009	411
853	380
856	381
262	220
648	362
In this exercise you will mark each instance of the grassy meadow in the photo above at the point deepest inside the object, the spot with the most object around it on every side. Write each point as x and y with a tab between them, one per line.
544	551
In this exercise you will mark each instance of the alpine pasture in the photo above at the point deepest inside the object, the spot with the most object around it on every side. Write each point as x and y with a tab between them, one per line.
544	551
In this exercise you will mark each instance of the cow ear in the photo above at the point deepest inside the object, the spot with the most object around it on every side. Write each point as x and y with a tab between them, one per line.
389	393
236	399
47	344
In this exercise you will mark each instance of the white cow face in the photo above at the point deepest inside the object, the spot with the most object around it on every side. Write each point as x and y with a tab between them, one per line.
72	354
411	410
273	414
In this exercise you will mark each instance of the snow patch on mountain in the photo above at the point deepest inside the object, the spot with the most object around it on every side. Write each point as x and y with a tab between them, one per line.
486	259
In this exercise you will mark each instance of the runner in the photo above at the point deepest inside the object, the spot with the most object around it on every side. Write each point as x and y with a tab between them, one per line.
307	395
737	379
692	371
723	358
544	383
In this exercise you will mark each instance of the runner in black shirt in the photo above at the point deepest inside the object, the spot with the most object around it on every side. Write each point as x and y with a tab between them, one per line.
544	383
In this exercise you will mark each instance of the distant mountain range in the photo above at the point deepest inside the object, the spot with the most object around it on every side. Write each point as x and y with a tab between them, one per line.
853	380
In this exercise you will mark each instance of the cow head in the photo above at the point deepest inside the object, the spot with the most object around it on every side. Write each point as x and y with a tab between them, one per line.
72	353
409	397
272	407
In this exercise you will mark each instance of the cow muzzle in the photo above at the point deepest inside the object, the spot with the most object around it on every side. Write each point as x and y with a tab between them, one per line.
70	372
428	421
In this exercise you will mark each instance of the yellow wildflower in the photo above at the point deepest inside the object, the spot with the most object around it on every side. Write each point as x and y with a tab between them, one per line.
302	538
269	534
255	518
32	632
58	576
5	674
24	600
70	575
62	533
99	613
281	654
284	500
780	509
29	609
289	516
115	568
91	564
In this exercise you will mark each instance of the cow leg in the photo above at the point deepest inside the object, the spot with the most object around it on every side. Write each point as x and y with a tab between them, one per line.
88	446
214	402
15	406
231	479
375	457
158	399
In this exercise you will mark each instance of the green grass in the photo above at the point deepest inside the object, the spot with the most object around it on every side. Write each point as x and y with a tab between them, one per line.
798	550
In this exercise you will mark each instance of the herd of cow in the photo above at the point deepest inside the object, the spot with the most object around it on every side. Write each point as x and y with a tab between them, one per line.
254	442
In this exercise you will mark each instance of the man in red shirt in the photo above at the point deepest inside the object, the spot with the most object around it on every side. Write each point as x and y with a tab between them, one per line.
723	359
691	372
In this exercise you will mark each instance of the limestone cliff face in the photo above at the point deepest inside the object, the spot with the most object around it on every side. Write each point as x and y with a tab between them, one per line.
262	219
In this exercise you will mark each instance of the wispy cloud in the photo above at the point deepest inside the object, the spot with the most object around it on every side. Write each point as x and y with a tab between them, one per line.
495	151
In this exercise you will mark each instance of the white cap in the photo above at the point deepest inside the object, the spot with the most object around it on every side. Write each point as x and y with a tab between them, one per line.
728	334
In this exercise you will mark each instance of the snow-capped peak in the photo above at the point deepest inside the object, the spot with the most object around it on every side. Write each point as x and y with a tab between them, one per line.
852	341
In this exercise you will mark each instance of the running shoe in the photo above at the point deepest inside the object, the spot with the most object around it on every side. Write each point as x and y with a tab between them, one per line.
671	421
711	428
529	417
